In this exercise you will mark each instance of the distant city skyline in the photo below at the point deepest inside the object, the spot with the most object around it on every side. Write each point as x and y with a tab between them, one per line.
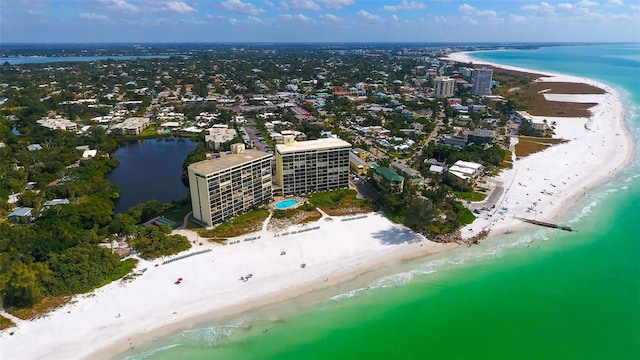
53	21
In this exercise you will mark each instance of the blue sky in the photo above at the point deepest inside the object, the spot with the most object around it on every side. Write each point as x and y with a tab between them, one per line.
319	21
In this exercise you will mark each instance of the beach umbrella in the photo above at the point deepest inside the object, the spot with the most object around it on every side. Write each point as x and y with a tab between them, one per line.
179	279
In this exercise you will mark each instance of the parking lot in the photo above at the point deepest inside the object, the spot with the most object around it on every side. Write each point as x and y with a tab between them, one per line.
258	141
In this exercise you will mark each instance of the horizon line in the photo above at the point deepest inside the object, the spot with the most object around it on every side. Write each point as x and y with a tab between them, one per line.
315	42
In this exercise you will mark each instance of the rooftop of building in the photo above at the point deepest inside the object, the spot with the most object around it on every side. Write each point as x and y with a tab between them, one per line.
320	144
357	160
389	174
212	166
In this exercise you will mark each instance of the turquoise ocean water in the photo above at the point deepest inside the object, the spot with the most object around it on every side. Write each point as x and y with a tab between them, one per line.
567	296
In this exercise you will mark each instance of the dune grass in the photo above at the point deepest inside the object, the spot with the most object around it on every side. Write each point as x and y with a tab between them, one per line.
528	145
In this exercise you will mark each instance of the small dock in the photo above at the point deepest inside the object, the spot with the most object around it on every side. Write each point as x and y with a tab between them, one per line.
546	224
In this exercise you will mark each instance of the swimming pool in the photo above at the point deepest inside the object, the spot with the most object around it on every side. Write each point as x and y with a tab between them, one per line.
285	204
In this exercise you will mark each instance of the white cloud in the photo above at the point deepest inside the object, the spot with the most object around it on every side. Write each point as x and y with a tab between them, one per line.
29	4
368	16
336	4
517	18
587	3
237	6
179	7
542	10
615	3
470	21
489	13
565	6
405	5
300	5
233	21
255	19
441	20
330	17
470	10
297	17
117	6
466	9
93	17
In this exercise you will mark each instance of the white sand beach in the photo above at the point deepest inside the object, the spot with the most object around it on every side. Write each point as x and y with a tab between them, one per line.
128	313
543	186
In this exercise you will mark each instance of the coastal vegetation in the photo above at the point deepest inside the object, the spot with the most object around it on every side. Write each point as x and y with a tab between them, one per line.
530	145
341	202
5	323
57	254
152	242
47	304
528	94
241	224
434	212
301	215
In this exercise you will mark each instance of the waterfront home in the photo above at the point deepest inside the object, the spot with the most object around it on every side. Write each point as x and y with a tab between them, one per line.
388	179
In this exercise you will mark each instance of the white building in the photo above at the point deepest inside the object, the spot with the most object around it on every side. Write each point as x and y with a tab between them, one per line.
58	124
482	81
133	126
443	87
219	134
466	170
230	185
309	166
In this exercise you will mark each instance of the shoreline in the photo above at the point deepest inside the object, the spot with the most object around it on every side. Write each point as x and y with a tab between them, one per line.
309	294
207	294
592	155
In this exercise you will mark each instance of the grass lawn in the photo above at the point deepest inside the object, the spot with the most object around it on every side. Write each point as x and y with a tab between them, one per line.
467	217
470	196
177	213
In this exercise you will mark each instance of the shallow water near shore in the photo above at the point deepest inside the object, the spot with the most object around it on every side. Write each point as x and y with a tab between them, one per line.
539	294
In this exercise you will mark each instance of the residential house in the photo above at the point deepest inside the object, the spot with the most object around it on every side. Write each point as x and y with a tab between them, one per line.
21	213
388	179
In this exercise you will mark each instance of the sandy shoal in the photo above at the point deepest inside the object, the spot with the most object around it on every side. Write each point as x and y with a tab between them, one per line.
122	314
544	185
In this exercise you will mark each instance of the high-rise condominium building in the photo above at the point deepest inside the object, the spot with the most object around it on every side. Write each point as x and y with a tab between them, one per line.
443	87
482	81
229	185
309	166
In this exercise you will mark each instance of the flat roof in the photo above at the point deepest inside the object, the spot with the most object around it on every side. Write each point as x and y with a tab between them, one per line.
212	166
468	164
356	160
320	144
